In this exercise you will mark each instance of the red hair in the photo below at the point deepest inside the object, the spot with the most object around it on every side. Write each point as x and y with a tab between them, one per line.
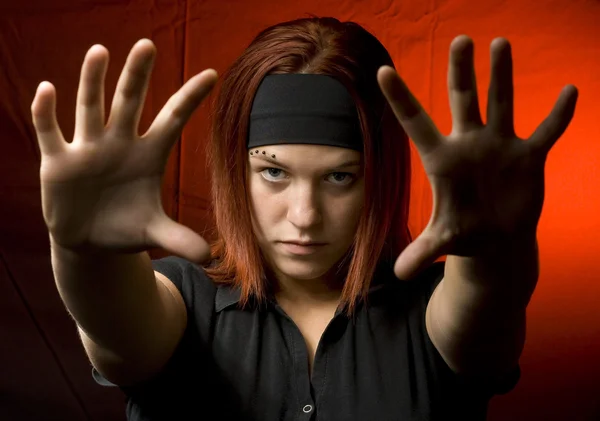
343	50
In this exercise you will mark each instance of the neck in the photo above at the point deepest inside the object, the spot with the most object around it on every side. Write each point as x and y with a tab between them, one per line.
324	290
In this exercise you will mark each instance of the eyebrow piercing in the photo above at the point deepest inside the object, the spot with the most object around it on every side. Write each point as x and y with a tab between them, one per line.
264	153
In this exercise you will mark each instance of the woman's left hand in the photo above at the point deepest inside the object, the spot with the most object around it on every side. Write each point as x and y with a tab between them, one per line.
488	184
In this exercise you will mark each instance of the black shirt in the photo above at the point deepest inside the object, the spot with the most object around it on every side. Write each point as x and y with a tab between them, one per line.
252	364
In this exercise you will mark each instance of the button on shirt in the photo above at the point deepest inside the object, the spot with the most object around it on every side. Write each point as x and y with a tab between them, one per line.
252	364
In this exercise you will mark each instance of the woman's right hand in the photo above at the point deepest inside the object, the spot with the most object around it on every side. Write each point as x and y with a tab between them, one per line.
101	192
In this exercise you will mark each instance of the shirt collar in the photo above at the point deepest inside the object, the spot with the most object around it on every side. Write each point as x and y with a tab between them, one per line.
228	296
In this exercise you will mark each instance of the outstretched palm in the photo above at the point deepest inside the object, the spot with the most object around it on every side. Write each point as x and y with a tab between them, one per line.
102	190
488	184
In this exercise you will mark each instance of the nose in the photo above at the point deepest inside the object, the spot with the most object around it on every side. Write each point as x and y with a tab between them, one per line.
303	208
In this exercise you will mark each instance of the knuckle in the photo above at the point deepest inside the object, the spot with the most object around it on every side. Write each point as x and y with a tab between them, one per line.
42	125
129	92
90	100
135	81
176	114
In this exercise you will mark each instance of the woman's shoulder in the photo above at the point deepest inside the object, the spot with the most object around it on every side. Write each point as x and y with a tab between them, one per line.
427	278
189	277
407	294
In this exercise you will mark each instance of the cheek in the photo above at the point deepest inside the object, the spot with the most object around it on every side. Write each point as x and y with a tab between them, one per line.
345	215
265	206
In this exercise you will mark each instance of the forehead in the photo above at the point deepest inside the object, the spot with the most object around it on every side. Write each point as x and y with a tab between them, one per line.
298	154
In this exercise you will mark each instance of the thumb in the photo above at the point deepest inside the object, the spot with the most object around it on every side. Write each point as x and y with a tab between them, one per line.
178	239
419	254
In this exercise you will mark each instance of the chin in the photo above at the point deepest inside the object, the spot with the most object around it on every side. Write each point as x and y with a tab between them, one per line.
303	270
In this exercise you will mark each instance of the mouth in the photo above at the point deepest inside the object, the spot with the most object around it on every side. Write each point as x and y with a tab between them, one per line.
307	243
301	249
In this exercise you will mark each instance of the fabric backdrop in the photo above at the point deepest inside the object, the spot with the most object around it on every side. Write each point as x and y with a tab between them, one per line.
44	374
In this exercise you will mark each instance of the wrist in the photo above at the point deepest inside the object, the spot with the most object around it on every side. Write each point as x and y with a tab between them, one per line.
506	266
82	252
492	246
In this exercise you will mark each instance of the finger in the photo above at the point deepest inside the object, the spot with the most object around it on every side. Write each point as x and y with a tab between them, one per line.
419	254
178	239
552	128
410	114
43	114
132	87
89	114
500	93
462	87
171	119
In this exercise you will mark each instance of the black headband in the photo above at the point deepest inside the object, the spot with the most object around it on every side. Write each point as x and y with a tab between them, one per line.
306	109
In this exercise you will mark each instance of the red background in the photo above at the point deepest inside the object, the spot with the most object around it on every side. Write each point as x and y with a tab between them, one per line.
43	371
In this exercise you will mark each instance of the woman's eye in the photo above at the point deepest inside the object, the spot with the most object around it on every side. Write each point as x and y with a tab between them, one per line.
337	178
272	173
345	179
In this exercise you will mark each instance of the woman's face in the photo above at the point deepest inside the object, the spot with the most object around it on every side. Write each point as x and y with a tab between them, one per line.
305	193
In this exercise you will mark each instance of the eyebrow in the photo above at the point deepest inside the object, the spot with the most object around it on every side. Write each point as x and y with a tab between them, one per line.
347	164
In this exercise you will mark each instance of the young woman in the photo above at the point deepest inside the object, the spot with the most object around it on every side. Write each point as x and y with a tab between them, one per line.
301	308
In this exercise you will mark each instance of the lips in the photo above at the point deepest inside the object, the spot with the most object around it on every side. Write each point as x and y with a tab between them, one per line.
301	249
308	243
